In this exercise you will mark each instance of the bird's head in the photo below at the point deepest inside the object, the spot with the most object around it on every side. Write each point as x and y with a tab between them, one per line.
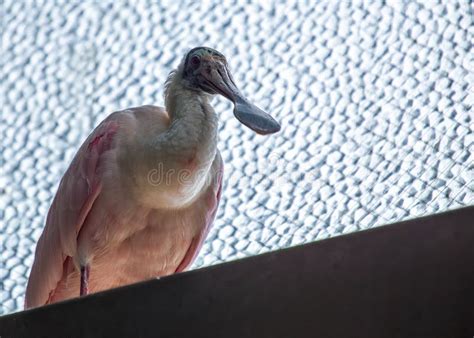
206	70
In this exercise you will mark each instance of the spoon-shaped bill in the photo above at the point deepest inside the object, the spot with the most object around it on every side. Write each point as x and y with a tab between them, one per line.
218	79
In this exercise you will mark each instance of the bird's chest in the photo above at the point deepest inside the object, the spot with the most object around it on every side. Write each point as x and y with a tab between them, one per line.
170	173
176	182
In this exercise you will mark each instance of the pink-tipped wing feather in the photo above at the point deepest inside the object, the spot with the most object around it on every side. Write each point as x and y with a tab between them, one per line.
77	192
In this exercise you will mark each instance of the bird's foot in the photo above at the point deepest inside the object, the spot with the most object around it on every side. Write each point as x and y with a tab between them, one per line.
84	280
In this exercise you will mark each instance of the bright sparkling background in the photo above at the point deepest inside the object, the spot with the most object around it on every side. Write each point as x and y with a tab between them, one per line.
375	102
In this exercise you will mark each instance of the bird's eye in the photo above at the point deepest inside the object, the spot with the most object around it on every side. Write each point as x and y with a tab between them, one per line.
195	61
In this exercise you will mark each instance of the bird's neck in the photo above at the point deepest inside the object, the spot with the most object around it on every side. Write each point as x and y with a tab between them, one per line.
192	133
176	163
193	121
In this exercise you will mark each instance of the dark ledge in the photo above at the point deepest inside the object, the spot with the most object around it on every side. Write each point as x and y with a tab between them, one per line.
410	279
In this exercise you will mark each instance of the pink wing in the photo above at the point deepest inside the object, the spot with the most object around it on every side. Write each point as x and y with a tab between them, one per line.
212	202
79	188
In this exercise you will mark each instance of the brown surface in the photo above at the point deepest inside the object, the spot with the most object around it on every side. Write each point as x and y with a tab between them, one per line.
411	279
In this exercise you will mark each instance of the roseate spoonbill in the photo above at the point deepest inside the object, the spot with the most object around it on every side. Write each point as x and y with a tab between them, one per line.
141	193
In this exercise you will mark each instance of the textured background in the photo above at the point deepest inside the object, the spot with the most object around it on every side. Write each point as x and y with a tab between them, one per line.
375	101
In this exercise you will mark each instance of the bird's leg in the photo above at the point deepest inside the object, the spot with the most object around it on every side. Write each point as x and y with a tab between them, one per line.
84	280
